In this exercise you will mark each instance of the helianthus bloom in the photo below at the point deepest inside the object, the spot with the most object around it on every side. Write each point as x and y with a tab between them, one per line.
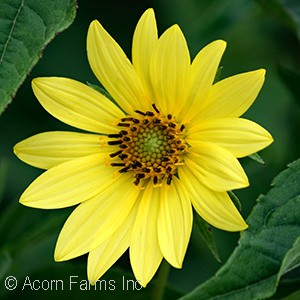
168	144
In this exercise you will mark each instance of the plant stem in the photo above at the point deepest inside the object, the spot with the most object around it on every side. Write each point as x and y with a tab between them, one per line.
161	281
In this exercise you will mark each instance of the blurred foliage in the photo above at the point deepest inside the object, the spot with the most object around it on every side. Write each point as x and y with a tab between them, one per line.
287	11
205	232
259	35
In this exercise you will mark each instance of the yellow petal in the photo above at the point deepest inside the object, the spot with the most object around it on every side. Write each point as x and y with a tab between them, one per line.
144	41
104	256
216	167
239	136
145	254
96	220
113	69
48	149
202	74
76	104
175	219
214	207
232	96
169	67
69	183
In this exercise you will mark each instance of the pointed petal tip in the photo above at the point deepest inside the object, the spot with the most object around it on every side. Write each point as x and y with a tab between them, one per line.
24	201
35	82
219	46
244	227
16	149
92	278
39	82
220	43
268	138
236	225
36	79
95	23
92	282
42	84
241	181
147	16
177	264
58	258
149	11
33	204
241	226
260	73
175	29
58	255
142	283
244	182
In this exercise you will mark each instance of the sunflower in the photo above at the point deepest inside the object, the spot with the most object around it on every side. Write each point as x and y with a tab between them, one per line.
167	144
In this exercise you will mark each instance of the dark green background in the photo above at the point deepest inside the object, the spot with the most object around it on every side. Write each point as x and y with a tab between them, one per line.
257	38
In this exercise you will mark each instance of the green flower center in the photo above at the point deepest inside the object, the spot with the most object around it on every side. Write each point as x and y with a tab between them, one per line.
150	145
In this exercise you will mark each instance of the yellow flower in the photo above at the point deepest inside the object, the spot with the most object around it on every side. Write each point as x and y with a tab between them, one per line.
170	143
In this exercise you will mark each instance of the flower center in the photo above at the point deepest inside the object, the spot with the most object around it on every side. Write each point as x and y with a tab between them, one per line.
151	146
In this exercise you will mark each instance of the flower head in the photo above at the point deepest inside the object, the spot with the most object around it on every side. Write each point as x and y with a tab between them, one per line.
169	143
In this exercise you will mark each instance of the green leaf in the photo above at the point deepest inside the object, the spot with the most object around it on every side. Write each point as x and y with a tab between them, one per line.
204	230
26	27
257	158
291	259
101	91
218	75
288	285
293	296
104	93
235	200
267	250
287	11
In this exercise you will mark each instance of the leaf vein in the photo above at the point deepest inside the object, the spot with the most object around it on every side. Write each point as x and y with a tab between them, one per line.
11	30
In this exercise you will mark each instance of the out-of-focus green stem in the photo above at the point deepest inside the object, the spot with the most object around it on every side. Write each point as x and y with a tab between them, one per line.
161	281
